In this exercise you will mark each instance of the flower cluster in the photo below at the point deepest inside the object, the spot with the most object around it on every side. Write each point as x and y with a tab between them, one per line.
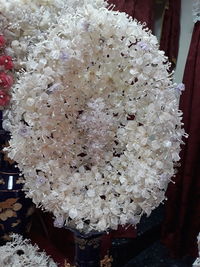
95	123
6	80
196	10
19	253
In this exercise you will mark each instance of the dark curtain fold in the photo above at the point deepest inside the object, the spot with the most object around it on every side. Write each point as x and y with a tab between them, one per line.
182	222
142	10
169	41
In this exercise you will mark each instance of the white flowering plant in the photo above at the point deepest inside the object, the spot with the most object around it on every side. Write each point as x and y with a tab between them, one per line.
94	117
20	253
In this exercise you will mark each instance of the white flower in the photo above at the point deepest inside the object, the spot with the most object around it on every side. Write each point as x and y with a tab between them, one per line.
59	222
73	213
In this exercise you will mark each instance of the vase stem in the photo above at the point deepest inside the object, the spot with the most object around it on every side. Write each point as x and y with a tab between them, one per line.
87	250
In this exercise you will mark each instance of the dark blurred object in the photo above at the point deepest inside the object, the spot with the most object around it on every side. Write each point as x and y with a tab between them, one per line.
87	249
157	255
148	231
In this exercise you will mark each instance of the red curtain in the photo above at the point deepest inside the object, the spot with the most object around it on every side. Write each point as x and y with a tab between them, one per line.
182	222
142	10
169	41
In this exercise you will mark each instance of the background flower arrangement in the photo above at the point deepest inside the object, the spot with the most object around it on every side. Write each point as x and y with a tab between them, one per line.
197	261
20	252
95	123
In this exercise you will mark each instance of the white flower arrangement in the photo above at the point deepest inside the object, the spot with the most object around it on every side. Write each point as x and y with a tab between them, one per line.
20	253
94	119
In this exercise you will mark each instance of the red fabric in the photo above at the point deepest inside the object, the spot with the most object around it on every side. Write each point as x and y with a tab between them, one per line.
141	10
47	246
182	222
59	243
169	41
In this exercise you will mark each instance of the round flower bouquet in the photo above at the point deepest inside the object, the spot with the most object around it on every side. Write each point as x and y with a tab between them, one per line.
94	114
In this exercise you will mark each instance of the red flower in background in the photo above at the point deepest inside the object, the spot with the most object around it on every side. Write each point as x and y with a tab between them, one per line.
4	98
2	41
6	81
6	61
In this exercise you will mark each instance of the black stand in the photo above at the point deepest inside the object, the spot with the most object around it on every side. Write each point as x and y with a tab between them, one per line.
87	249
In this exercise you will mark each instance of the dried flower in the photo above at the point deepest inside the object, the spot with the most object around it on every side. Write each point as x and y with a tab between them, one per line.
59	222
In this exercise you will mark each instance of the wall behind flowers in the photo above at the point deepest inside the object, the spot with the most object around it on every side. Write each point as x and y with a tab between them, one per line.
187	25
